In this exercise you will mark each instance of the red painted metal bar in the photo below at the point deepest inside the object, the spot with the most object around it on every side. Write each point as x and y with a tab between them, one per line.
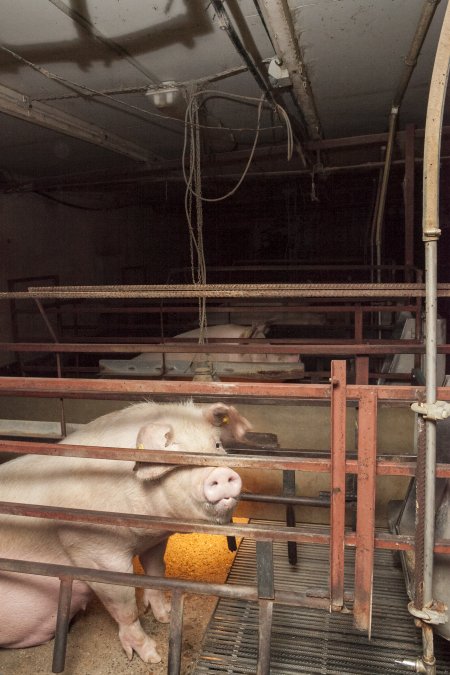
365	525
88	388
337	512
362	370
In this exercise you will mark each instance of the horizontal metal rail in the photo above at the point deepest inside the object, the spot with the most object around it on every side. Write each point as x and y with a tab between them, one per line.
384	466
123	389
338	349
364	290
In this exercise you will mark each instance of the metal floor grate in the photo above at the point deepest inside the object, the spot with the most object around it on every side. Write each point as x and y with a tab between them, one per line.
313	641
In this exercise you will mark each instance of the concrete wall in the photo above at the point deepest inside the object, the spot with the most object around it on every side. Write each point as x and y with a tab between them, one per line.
87	245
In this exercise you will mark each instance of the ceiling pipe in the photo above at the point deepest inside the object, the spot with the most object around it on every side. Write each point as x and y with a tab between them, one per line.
428	11
278	20
261	79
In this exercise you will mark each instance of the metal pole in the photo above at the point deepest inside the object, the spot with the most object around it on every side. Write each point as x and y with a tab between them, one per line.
431	233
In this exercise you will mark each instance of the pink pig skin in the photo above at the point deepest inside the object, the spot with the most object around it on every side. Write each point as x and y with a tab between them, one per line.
29	602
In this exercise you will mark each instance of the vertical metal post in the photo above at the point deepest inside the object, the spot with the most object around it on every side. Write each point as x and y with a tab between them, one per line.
58	362
176	632
409	201
62	624
431	234
337	513
289	491
365	515
266	593
361	370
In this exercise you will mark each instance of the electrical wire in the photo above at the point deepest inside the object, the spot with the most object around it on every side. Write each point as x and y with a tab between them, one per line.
95	92
189	124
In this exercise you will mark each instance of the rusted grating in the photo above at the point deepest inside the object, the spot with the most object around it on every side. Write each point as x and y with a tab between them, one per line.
314	641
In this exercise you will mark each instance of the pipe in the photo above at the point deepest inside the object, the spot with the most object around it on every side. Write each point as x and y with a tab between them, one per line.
282	31
426	17
431	233
226	25
423	25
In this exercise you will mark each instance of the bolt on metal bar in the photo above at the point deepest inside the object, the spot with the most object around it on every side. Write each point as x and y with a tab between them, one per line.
62	624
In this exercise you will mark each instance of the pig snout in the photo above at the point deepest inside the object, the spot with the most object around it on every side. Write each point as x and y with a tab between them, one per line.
222	487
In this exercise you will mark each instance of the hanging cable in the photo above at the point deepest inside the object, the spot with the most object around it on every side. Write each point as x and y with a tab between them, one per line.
189	122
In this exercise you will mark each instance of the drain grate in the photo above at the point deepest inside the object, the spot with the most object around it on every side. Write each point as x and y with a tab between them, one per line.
313	641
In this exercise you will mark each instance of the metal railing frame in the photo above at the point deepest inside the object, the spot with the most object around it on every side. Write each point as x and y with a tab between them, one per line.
366	467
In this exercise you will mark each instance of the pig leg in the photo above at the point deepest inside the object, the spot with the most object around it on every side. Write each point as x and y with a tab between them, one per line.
120	601
152	561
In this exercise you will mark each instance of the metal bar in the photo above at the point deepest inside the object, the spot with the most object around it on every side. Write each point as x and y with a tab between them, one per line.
176	633
362	370
62	624
402	466
431	233
264	569
365	526
409	200
264	636
338	348
289	492
337	514
420	513
58	363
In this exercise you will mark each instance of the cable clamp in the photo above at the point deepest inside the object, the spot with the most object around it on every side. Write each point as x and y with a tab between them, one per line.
435	614
439	410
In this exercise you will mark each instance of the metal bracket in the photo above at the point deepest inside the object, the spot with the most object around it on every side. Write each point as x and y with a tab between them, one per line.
435	614
439	410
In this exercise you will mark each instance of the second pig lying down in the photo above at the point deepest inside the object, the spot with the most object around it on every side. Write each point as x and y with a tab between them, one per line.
29	602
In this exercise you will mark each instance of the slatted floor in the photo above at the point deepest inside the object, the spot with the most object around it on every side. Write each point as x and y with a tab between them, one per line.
313	641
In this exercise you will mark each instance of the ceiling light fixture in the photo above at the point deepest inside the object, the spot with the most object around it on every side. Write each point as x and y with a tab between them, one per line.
166	95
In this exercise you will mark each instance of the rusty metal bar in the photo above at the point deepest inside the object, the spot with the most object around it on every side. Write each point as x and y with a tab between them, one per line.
362	370
88	388
62	624
337	513
264	569
289	492
340	290
256	346
403	465
264	637
365	526
175	633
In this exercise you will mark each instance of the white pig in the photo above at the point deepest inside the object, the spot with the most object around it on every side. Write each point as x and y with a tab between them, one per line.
29	602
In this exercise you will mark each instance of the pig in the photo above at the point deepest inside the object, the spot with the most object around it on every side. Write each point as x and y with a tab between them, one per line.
226	331
29	602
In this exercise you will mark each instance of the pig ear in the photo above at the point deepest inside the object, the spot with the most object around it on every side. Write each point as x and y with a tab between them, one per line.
153	437
146	471
227	417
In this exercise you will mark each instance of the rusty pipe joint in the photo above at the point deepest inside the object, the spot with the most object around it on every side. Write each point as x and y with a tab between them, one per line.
435	613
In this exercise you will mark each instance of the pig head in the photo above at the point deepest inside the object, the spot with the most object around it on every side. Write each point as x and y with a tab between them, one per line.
29	602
